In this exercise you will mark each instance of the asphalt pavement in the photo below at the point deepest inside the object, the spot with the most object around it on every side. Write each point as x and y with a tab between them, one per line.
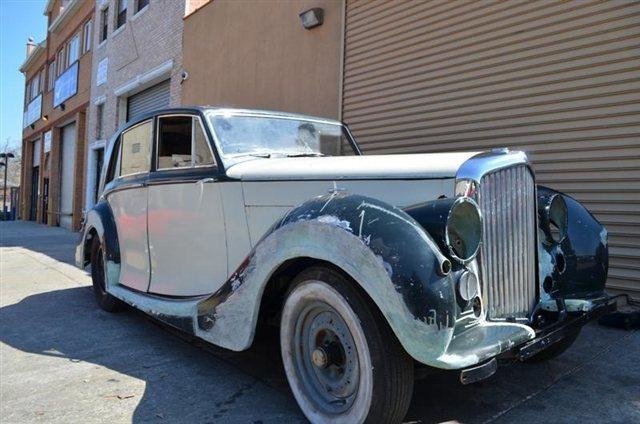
63	360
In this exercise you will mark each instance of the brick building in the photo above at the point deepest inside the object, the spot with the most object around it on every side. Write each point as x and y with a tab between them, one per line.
57	75
137	64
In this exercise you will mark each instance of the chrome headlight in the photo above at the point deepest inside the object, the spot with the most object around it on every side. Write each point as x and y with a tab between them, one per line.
554	218
454	223
463	232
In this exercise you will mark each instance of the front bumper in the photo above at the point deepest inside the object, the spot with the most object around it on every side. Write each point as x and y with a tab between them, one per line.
507	340
570	320
568	323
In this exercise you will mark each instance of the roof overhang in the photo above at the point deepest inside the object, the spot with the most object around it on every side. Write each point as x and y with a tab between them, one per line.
37	51
48	7
68	11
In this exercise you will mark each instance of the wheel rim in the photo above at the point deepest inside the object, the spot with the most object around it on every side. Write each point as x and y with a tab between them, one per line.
326	358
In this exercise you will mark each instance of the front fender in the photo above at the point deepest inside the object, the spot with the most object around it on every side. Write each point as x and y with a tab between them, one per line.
381	247
584	249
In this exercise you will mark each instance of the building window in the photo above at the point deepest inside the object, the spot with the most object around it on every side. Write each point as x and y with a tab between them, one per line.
141	4
35	86
86	39
73	49
61	61
121	16
99	120
52	76
104	24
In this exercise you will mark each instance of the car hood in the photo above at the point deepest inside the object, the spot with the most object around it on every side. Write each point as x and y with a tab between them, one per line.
412	166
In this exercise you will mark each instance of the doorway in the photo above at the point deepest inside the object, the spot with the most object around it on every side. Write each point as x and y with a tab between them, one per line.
35	178
45	200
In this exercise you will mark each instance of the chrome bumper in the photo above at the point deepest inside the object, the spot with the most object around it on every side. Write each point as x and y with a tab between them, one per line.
568	323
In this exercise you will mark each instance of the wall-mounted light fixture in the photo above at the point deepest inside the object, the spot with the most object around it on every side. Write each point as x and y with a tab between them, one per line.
312	18
33	127
45	118
62	106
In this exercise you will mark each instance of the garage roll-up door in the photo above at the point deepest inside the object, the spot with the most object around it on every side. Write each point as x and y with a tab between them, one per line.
156	97
560	80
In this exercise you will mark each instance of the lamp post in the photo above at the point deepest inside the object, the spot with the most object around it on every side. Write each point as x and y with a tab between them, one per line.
6	157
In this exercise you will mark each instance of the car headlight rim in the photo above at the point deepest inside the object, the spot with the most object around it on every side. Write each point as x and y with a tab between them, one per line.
463	230
557	215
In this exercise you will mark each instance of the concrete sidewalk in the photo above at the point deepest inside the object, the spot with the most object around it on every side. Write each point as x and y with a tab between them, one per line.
64	360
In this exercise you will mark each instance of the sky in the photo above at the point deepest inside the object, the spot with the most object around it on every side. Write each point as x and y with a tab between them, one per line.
19	20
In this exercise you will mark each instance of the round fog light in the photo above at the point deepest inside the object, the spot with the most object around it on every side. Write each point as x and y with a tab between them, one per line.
468	286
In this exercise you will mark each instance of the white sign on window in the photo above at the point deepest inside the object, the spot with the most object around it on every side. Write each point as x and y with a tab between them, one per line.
47	141
33	112
66	85
101	73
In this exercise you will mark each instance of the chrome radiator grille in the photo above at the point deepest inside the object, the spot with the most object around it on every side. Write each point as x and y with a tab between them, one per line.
507	256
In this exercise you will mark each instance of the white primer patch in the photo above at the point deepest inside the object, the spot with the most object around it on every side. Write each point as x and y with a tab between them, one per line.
334	220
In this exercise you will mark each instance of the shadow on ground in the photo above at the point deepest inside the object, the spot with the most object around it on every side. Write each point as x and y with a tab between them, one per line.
597	380
55	242
65	323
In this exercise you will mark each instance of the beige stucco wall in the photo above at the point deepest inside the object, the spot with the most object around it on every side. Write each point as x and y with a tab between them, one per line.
262	57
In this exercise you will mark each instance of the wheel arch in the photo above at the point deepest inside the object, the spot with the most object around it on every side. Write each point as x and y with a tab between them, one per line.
389	255
99	222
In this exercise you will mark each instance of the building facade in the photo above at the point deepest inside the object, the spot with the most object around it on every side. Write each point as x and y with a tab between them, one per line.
137	64
558	80
57	76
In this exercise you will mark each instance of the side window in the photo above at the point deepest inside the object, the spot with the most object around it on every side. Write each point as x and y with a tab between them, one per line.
136	149
182	143
202	151
114	163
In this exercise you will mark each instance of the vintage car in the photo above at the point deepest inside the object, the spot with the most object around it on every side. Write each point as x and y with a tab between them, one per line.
215	220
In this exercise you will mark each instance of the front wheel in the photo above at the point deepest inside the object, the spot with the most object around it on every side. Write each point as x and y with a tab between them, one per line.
342	361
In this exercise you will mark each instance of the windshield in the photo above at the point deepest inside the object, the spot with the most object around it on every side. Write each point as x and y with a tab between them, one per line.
265	136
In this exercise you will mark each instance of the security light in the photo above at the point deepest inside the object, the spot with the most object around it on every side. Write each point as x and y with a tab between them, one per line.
312	18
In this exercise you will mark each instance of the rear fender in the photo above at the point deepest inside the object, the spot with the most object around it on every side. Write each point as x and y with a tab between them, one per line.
100	219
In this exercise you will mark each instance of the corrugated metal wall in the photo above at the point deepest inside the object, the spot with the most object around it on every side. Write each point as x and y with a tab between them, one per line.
560	80
152	98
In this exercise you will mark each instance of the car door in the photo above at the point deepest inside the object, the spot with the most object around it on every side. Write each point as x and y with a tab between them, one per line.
126	194
187	242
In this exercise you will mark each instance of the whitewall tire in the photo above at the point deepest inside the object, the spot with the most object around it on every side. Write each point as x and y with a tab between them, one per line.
343	363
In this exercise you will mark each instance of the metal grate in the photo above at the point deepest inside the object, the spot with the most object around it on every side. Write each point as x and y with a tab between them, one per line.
507	257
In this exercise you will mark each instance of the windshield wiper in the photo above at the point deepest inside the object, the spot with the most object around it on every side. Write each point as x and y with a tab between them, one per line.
302	155
257	155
